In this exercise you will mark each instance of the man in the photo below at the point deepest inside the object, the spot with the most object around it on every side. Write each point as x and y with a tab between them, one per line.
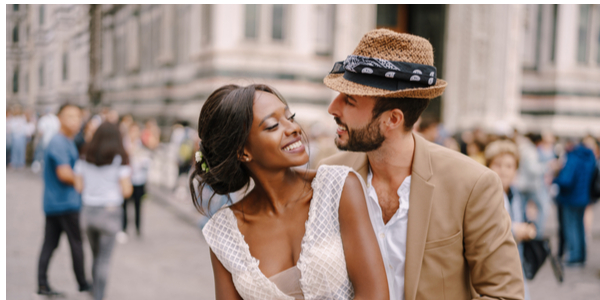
574	182
61	202
439	216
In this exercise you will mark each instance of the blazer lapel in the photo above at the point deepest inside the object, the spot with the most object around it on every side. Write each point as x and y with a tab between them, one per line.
421	192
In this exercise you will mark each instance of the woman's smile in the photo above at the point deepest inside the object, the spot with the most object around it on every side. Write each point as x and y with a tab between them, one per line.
295	146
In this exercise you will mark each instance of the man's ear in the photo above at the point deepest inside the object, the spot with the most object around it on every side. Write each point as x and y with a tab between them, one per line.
394	119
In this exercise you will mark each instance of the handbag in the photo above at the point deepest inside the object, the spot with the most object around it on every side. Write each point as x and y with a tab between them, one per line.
534	255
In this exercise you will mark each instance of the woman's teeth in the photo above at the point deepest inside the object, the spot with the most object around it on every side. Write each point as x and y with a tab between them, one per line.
293	146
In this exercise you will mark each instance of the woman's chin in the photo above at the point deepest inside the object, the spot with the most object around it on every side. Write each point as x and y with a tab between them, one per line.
300	161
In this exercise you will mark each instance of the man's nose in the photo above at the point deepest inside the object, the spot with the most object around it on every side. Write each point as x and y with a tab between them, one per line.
334	107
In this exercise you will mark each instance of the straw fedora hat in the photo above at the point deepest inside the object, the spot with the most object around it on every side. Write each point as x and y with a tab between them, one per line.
390	65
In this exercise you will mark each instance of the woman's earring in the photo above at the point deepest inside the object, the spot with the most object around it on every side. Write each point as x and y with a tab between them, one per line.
247	159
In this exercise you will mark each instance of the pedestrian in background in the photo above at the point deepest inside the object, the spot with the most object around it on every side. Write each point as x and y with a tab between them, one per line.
588	216
428	128
475	151
62	203
502	157
140	160
151	134
182	139
103	178
574	183
530	181
20	129
47	126
9	116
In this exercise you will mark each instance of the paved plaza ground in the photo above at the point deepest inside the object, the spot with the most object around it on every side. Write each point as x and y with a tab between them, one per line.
171	260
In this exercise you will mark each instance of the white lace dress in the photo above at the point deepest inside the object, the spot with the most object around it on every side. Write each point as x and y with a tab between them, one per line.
322	263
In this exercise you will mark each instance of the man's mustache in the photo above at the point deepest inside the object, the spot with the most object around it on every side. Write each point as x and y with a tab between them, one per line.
339	122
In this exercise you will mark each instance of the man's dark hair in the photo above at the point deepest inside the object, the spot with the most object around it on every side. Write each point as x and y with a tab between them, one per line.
412	108
60	109
105	145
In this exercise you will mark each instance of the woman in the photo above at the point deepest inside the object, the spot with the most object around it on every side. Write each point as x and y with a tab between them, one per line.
296	235
502	157
103	179
140	164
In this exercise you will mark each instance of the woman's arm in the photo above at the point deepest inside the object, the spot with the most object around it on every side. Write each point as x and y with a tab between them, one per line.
224	288
126	187
363	259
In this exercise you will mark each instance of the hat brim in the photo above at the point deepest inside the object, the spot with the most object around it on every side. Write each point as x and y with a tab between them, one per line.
337	82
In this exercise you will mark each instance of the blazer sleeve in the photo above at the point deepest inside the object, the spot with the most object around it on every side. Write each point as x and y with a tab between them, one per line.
490	249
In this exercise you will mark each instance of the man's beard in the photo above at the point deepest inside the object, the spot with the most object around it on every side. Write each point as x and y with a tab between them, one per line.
368	138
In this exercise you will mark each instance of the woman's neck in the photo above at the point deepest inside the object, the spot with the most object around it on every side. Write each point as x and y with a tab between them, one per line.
278	189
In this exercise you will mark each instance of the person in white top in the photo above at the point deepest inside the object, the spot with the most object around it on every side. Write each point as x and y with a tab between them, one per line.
21	127
140	161
296	234
103	179
47	126
439	216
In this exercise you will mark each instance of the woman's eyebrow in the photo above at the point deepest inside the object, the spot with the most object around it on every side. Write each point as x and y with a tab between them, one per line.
287	109
263	120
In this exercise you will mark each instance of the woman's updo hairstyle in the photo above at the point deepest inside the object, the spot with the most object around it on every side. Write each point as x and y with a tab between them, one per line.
223	127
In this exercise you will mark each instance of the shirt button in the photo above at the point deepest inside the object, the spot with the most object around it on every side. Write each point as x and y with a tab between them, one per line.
382	235
390	266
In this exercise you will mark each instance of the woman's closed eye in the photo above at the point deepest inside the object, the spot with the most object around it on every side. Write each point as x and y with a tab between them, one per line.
292	117
274	126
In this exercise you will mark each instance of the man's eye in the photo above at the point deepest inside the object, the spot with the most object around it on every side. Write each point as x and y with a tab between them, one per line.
348	102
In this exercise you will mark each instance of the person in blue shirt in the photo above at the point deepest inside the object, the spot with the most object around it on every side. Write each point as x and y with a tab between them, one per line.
574	182
60	200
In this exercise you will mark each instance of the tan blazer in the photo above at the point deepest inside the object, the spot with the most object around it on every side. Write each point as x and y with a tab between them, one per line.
459	242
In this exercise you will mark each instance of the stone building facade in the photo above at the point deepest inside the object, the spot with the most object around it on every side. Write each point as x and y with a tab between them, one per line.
46	54
534	67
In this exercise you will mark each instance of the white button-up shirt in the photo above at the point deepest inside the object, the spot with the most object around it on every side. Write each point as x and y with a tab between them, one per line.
391	236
